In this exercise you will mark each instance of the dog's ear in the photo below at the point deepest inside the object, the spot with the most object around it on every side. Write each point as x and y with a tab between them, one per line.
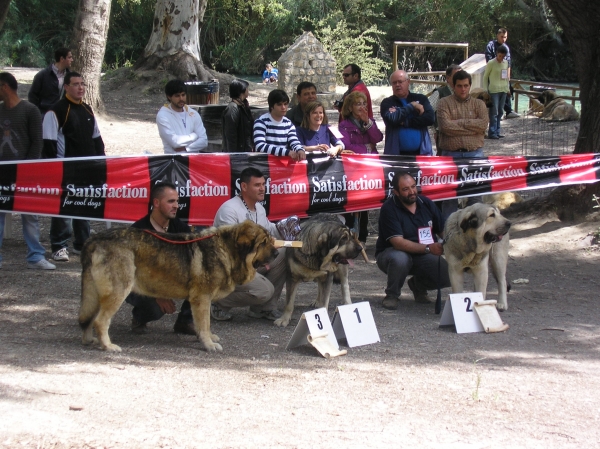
469	222
323	243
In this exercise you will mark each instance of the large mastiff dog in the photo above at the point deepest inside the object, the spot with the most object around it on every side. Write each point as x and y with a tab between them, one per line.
556	108
327	245
201	267
474	237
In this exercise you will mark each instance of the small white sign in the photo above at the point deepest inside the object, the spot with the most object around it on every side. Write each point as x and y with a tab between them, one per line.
460	311
355	323
426	236
316	324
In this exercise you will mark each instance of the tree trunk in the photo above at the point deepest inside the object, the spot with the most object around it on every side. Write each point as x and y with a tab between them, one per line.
89	44
4	7
579	20
174	44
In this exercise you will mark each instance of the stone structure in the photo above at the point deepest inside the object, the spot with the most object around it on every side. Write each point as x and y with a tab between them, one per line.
307	60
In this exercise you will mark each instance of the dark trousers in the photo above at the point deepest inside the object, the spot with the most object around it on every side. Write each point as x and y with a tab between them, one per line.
363	224
61	229
424	267
146	309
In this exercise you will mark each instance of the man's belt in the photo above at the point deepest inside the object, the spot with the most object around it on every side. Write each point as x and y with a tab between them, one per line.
461	150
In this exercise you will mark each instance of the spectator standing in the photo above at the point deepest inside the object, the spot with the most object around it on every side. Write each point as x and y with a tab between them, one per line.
406	116
274	133
445	91
360	135
359	131
237	120
495	80
70	130
261	293
400	250
270	75
314	134
162	218
47	86
491	53
306	93
179	126
352	75
462	124
21	140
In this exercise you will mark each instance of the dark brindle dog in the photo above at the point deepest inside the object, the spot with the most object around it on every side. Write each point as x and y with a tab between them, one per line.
327	245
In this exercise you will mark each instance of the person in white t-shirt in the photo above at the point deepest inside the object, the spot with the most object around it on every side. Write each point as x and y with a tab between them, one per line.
180	127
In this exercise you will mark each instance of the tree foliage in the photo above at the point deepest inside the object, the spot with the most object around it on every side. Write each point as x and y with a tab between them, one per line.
239	36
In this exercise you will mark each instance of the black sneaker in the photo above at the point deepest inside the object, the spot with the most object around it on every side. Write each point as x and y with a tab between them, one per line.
137	327
390	302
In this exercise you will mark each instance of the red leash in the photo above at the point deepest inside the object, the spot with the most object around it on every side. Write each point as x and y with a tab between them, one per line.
178	242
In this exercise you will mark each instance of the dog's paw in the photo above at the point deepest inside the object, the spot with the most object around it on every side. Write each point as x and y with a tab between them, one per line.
214	347
214	338
89	341
502	307
112	348
282	322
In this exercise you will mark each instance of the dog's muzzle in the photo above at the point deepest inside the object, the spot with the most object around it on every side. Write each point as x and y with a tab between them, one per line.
491	238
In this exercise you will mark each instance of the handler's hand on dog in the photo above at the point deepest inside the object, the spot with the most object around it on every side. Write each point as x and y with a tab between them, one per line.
437	249
166	305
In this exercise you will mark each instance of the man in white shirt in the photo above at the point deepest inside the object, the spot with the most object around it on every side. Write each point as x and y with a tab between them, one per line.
180	127
262	293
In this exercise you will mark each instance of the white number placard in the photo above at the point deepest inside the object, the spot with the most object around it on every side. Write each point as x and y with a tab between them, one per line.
460	311
316	324
355	323
426	236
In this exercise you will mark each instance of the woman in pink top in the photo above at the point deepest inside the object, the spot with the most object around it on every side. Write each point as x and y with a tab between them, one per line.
359	131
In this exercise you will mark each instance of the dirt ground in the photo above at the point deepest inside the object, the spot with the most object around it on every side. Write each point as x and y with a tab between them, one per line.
535	385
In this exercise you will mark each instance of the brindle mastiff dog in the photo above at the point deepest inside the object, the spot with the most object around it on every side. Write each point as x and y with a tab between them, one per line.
201	267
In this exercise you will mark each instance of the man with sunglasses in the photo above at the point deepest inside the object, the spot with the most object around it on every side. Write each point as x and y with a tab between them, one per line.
351	75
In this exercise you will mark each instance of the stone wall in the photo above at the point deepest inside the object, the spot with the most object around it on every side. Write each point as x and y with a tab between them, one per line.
306	60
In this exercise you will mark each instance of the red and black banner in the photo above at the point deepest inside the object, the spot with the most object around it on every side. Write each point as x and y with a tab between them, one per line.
118	188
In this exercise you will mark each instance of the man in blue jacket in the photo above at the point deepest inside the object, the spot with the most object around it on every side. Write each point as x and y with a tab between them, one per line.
406	116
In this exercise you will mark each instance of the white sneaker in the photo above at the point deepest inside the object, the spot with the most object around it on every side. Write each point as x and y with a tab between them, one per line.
62	255
41	265
512	114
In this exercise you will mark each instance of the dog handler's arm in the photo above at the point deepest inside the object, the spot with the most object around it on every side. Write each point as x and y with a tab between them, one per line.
408	246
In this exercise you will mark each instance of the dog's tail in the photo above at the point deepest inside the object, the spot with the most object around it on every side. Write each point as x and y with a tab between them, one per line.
90	305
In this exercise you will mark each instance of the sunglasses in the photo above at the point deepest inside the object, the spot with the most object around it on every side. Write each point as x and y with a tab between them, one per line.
346	75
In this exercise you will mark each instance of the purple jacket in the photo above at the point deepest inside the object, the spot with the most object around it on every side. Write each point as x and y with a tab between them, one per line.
356	139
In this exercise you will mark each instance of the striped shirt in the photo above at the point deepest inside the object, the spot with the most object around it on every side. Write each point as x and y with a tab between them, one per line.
462	124
276	138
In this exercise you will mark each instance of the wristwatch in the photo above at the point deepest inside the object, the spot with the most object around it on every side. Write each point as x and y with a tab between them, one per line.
427	251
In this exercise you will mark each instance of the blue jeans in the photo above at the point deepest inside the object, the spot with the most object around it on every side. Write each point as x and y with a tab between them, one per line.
424	267
450	206
495	113
31	234
60	232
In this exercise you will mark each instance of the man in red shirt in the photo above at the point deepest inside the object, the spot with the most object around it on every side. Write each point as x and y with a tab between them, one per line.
352	79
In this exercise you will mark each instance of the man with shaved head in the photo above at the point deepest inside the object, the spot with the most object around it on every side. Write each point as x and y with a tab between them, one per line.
406	116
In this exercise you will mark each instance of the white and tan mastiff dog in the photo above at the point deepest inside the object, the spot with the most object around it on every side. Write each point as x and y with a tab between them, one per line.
476	237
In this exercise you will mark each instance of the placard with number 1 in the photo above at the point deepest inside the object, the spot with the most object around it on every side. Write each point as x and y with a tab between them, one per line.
355	323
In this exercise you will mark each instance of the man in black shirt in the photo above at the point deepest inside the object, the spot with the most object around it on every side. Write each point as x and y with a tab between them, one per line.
408	224
165	203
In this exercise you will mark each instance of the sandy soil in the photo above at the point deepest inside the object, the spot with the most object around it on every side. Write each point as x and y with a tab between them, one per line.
535	385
